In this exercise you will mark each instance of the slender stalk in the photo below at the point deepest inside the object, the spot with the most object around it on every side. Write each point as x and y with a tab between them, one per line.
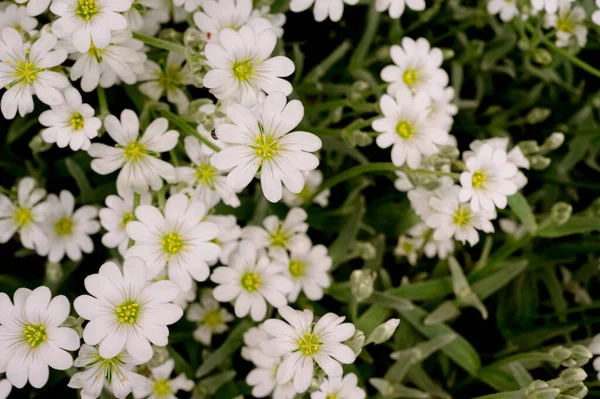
159	43
360	54
102	103
321	69
326	106
185	128
455	176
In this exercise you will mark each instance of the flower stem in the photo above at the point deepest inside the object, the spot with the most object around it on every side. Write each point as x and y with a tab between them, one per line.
321	69
455	176
159	43
102	103
360	54
186	129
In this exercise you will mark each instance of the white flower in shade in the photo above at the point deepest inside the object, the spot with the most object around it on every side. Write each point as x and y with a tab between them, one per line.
453	218
596	14
569	23
417	68
314	178
208	182
115	373
32	339
209	316
340	388
443	110
35	7
323	9
169	77
136	156
26	71
396	7
125	310
277	235
68	230
233	14
263	378
188	5
307	267
253	340
277	20
507	9
513	228
89	22
160	385
17	18
241	66
177	239
403	183
115	217
419	197
122	60
145	16
268	144
487	181
211	116
408	247
5	388
24	216
550	6
405	127
228	236
302	342
432	248
70	123
252	281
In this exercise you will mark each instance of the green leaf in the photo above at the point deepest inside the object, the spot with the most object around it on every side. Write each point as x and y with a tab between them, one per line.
374	316
181	365
488	285
518	203
347	236
18	128
555	290
85	189
575	225
420	378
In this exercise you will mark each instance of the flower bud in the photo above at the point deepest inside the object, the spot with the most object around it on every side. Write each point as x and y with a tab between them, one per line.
537	115
529	147
74	323
366	250
581	354
438	161
539	162
37	144
448	53
54	273
449	151
560	213
542	56
578	391
559	354
356	342
544	393
362	283
383	332
160	355
555	140
383	53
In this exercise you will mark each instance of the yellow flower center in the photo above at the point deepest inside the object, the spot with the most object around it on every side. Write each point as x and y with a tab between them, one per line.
212	318
172	243
35	335
565	25
22	217
407	246
478	179
206	174
462	217
279	238
309	344
169	77
331	396
410	77
96	52
25	72
250	281
296	268
128	217
405	130
77	122
86	9
127	312
266	146
64	226
134	151
162	388
243	70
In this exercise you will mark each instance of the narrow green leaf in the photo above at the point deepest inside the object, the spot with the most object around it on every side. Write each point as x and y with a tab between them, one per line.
488	285
421	379
575	225
181	365
212	384
371	318
18	128
85	189
519	205
347	236
389	301
555	290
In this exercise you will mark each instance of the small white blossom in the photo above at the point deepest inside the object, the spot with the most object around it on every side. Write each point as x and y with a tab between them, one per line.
35	7
396	7
314	178
17	18
188	5
507	9
5	388
263	379
160	385
550	6
440	247
209	316
408	247
145	16
228	236
323	9
596	14
569	23
340	388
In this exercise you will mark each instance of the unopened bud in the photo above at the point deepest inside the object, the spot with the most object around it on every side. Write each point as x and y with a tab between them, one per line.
170	35
356	342
54	272
37	144
449	151
560	213
555	140
570	377
544	393
539	162
559	354
537	115
362	282
430	183
383	53
75	324
366	250
383	332
160	355
361	139
542	56
578	391
438	161
581	354
529	147
448	53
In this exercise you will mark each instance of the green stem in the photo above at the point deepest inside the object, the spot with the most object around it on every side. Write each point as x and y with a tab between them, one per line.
501	254
326	106
186	129
174	159
102	103
352	173
455	176
321	69
159	43
360	54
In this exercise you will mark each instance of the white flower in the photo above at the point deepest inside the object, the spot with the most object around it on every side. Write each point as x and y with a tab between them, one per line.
188	5
408	247
550	6
70	123
339	388
405	127
513	228
177	239
145	16
253	340
277	235
89	22
123	59
433	248
24	216
228	236
486	183
32	339
114	218
569	22
419	197
170	77
209	317
267	143
17	18
314	178
277	20
115	373
212	115
233	14
208	183
417	67
68	231
307	268
161	386
506	8
403	183
125	310
443	110
25	72
596	14
252	281
453	218
5	388
300	342
334	9
396	7
35	7
263	378
136	155
241	66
